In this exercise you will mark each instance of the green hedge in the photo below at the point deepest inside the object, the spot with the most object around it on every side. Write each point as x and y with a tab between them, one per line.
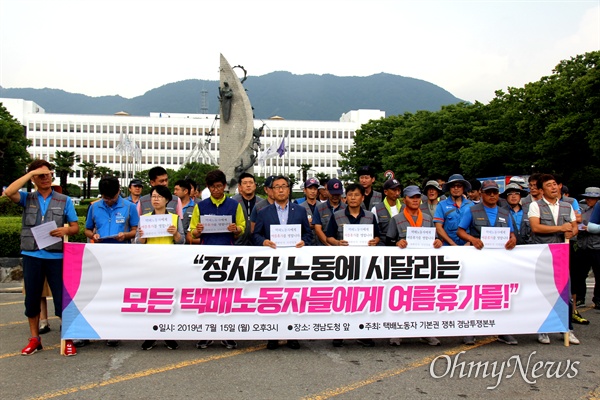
7	207
10	236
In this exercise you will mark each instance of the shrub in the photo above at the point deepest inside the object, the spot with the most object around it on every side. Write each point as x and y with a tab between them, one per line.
7	207
10	236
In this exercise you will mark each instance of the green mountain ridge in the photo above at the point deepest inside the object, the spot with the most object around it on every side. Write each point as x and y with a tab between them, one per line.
296	97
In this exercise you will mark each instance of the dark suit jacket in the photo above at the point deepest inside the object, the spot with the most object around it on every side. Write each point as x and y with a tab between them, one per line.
268	216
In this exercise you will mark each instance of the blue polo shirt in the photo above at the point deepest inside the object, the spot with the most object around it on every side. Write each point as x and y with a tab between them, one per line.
492	213
449	214
110	221
70	213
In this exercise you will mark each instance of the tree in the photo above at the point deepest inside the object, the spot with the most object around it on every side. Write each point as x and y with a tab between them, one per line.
322	177
13	148
192	170
63	165
89	171
553	124
102	170
293	181
305	168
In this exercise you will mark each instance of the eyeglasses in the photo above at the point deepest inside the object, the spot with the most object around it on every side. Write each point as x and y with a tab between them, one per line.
42	176
157	197
491	192
217	187
282	187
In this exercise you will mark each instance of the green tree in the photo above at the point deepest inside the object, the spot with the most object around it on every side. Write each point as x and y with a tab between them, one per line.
552	124
293	181
102	170
89	171
305	168
322	177
63	165
193	170
13	148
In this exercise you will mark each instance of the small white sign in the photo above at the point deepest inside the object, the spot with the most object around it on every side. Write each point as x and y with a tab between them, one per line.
358	234
494	238
215	223
286	235
155	225
41	234
420	238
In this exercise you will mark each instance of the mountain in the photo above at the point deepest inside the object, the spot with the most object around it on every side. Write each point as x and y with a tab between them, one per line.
297	97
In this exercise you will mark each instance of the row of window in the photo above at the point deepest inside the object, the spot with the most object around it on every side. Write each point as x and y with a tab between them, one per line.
111	144
178	130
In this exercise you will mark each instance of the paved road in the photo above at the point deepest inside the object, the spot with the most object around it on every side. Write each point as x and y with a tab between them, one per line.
316	371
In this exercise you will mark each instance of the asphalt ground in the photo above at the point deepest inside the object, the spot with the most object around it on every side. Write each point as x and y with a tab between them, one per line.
316	371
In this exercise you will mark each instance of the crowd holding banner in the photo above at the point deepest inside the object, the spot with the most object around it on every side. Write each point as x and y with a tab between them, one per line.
424	265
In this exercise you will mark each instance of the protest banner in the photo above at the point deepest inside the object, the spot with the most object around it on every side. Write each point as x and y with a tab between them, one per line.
115	291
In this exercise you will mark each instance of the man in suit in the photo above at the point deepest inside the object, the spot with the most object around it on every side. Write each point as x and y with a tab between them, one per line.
281	212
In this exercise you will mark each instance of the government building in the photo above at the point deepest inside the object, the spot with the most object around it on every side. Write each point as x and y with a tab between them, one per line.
129	144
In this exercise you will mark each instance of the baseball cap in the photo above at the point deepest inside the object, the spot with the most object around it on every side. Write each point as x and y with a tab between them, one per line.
136	182
269	181
391	184
334	186
489	185
411	191
311	182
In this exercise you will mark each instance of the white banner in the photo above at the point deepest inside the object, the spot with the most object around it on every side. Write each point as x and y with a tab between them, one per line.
127	291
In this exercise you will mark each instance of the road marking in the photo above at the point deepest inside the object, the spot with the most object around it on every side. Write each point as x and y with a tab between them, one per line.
56	346
148	372
391	373
11	303
593	395
22	322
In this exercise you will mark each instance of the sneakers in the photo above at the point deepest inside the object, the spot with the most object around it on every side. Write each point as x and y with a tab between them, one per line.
508	339
395	341
44	329
366	342
81	342
171	344
148	344
273	344
70	349
543	338
470	340
596	303
337	342
112	343
572	338
432	341
203	344
35	344
293	344
229	344
578	319
580	303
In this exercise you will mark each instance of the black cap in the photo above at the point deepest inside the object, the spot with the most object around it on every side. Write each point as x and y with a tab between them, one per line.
366	170
269	181
136	182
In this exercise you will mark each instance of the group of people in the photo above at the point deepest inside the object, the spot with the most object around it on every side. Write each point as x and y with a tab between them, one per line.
542	215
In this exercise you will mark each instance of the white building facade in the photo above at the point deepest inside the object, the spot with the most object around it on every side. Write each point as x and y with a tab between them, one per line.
130	143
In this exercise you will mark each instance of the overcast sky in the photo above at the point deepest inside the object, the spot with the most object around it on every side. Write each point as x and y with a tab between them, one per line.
127	47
